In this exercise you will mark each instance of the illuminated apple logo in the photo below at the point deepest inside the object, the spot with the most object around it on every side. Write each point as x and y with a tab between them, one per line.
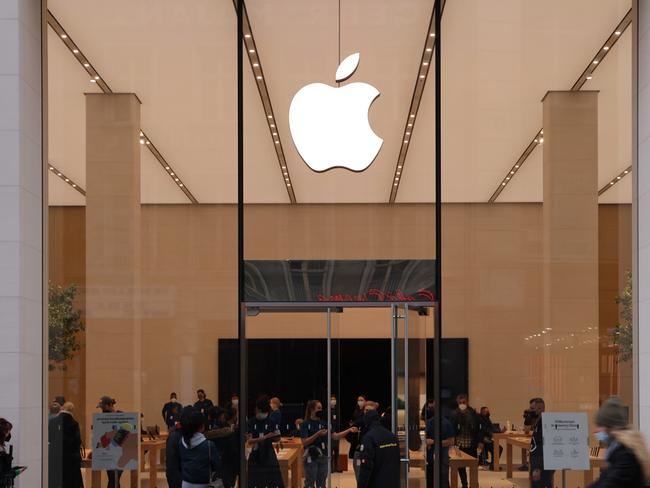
329	125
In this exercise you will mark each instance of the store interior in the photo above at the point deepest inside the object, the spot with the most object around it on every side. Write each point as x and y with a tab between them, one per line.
536	221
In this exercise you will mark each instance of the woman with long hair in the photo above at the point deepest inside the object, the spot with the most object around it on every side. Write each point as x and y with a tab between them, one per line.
313	432
199	457
357	421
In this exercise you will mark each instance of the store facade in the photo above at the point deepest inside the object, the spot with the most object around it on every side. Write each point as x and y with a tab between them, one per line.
260	217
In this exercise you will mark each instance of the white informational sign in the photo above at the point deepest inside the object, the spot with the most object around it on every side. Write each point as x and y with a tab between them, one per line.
115	441
566	440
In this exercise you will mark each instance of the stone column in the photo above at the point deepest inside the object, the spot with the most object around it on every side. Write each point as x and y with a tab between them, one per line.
113	250
23	338
641	205
570	233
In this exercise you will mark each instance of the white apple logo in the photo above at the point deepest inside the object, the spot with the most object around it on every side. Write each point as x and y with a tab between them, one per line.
329	125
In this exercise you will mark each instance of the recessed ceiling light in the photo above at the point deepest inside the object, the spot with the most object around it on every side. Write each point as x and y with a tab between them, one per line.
618	33
148	142
503	184
74	186
277	142
64	36
275	133
512	172
175	179
425	64
626	172
394	184
76	51
141	141
412	115
595	61
259	77
611	182
272	125
535	140
433	34
589	77
256	64
172	173
67	180
51	168
96	77
406	142
541	141
167	168
421	76
606	48
180	184
516	165
429	49
269	116
410	125
408	133
618	177
247	36
288	184
251	51
93	81
86	65
58	174
507	178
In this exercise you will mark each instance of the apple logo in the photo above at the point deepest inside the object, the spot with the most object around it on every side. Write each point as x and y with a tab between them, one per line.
329	125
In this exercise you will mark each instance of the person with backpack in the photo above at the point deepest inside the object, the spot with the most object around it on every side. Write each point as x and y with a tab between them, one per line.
199	459
628	463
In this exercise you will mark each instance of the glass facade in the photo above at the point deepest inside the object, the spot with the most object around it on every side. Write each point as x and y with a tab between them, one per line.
264	246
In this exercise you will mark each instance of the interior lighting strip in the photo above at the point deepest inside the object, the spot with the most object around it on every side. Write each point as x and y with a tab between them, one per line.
586	75
423	70
95	77
262	88
56	172
615	180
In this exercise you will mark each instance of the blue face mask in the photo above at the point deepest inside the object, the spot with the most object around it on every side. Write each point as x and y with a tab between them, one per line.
602	436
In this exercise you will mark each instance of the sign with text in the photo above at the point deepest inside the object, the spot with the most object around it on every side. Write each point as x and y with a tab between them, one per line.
566	440
115	441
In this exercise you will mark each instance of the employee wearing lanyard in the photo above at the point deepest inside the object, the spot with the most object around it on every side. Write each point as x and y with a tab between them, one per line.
313	432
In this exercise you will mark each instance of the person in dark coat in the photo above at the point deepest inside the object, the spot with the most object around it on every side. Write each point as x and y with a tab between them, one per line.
465	420
539	477
65	450
172	452
263	466
203	404
379	456
171	411
199	458
628	463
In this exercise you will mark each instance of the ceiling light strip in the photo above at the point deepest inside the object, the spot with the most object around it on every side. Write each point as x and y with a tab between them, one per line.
615	180
95	77
56	172
262	88
423	71
586	75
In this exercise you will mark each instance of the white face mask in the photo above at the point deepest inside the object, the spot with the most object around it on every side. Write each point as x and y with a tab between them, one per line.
462	406
173	400
333	403
361	403
262	416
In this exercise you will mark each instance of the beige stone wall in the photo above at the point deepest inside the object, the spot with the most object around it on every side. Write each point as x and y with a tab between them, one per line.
492	295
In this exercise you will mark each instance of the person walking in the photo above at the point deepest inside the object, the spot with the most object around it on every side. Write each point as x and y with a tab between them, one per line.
628	462
198	457
379	459
465	421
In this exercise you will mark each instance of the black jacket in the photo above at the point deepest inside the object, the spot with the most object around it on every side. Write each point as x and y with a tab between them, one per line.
379	458
64	452
486	429
173	459
199	459
623	470
466	424
537	446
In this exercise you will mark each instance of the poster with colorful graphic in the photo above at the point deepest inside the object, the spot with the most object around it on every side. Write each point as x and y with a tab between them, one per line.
115	441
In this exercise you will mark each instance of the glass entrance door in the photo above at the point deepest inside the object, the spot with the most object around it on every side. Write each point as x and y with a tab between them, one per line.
339	361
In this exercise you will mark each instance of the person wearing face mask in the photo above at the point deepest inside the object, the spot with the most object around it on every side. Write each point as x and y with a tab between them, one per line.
539	477
167	407
628	461
313	432
263	467
336	425
203	404
379	460
465	421
486	430
357	421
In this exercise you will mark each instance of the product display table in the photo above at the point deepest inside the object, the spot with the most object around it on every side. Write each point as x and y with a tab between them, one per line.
502	436
154	447
290	460
520	441
594	462
457	459
96	476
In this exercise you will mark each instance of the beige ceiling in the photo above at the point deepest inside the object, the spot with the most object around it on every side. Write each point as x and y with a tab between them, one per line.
499	59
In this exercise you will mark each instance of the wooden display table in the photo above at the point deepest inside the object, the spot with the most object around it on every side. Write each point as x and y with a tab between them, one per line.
523	443
290	460
457	459
96	476
497	438
154	448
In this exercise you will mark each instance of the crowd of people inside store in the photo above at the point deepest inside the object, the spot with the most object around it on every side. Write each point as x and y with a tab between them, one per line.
203	445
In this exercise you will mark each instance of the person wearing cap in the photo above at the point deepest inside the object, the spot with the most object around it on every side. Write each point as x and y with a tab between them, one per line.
628	463
107	405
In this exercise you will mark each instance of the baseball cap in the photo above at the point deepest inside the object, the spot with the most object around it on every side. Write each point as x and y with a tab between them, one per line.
105	400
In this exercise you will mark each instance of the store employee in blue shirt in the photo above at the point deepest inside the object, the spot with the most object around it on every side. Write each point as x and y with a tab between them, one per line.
447	435
313	432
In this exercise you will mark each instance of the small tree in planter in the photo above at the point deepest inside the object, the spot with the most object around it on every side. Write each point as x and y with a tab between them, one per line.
64	323
622	333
